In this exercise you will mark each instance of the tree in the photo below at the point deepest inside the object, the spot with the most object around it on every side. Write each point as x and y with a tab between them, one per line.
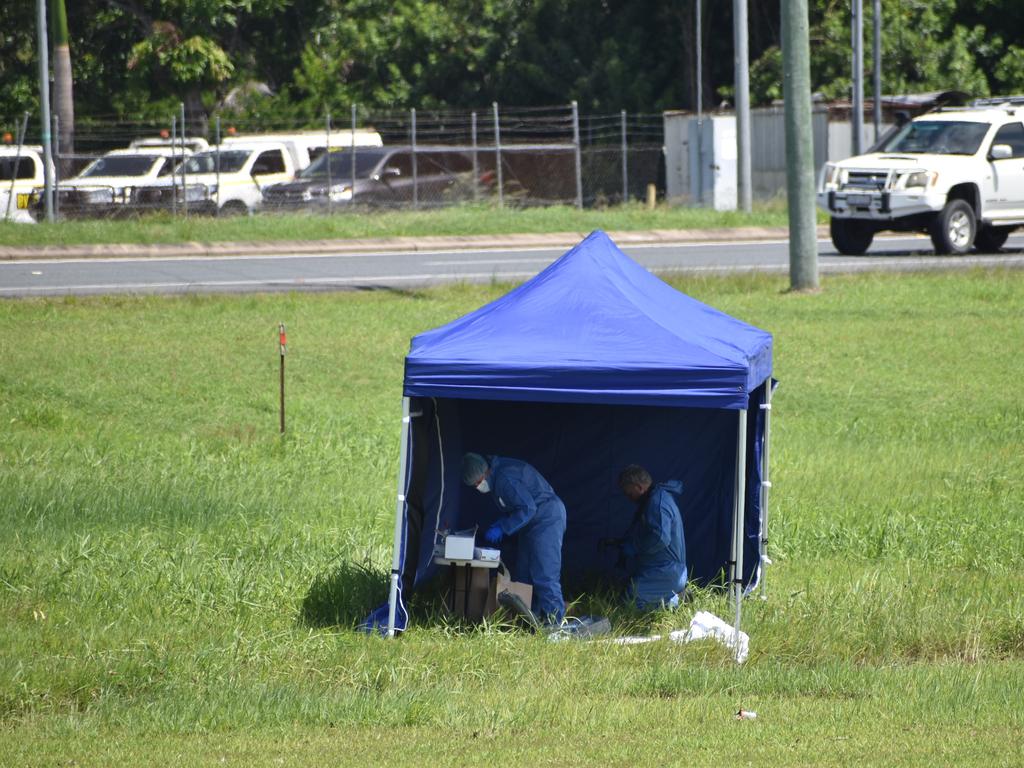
63	89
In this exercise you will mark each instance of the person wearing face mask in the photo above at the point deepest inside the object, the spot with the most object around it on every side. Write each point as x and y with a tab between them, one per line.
531	510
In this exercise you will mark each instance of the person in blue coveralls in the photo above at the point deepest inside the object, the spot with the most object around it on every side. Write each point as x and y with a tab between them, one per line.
532	511
654	546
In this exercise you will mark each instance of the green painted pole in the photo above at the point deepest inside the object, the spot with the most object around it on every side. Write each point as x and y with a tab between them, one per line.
796	83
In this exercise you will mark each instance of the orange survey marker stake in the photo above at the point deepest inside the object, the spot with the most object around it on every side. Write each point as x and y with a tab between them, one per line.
282	339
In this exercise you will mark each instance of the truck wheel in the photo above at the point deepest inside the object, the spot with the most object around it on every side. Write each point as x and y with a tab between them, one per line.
850	236
991	239
233	208
953	230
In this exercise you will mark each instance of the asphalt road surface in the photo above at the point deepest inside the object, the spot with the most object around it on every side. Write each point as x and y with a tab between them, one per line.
403	270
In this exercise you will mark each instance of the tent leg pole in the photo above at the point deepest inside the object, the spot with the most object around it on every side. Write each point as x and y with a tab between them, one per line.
396	557
738	521
766	483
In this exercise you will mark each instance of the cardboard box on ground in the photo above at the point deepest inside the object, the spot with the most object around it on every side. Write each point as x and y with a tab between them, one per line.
485	584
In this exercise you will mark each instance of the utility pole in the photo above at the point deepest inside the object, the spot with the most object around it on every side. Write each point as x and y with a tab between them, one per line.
858	75
796	85
877	53
741	76
698	167
44	105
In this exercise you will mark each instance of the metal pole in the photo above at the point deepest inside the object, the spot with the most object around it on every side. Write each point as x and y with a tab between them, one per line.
858	75
497	156
328	160
56	166
766	483
184	178
742	79
699	165
17	162
415	175
579	159
282	340
625	162
877	54
174	157
216	159
44	108
738	521
396	556
476	161
352	200
796	83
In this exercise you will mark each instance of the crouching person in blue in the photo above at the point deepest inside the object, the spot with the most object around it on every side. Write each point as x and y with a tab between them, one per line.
532	511
654	547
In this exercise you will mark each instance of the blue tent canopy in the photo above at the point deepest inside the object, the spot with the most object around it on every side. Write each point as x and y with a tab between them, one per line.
594	327
593	364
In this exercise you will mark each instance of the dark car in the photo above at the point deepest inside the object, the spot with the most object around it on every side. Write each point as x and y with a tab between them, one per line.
384	176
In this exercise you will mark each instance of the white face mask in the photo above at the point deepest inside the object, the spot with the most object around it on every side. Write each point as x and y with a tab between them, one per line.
484	486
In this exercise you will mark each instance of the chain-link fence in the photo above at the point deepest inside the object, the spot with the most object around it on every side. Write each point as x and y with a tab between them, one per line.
416	159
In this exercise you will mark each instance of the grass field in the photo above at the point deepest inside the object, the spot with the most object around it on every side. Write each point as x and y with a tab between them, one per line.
178	582
462	220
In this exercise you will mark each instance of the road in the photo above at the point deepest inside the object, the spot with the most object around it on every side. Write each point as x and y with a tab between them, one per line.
402	269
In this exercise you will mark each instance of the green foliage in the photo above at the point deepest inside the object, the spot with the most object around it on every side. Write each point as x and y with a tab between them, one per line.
138	59
195	61
422	52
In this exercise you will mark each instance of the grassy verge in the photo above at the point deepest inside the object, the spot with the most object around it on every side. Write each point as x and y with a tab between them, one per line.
178	582
467	220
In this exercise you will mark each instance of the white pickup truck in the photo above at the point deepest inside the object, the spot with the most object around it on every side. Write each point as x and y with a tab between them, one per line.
956	174
21	172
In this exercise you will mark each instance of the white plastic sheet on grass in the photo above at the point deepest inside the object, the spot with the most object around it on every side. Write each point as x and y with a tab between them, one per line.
703	625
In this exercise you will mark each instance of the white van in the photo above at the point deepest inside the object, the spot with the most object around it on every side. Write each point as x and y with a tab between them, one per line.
307	146
18	184
230	178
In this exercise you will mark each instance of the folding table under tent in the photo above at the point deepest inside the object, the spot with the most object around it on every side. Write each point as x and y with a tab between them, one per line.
591	365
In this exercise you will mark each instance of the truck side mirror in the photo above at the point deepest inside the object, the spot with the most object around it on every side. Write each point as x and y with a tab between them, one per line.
1000	152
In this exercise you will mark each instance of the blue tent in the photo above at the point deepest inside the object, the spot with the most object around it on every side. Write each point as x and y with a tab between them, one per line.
593	364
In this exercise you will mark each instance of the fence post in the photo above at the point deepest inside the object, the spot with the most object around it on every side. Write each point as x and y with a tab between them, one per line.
174	157
497	156
576	144
352	144
476	163
625	162
216	160
184	178
56	165
329	184
415	175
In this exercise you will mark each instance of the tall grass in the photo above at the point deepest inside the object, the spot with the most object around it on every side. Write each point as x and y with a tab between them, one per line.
179	583
461	220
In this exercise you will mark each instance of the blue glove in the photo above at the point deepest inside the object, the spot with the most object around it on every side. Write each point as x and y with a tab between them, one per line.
493	534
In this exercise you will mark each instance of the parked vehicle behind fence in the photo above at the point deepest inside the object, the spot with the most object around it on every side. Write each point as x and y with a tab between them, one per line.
384	176
230	178
21	173
107	184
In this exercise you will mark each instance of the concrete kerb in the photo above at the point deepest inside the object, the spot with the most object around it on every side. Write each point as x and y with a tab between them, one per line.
369	245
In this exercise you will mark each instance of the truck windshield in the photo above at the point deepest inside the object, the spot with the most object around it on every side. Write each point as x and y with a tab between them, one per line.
231	161
341	164
938	137
120	165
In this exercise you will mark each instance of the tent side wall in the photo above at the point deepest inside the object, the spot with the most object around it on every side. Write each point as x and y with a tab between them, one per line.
581	449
